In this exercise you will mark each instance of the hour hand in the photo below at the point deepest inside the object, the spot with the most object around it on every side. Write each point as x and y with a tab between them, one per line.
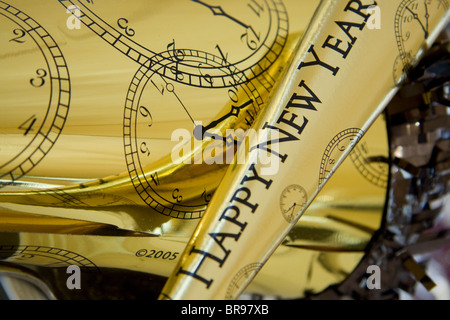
290	208
201	131
416	17
218	11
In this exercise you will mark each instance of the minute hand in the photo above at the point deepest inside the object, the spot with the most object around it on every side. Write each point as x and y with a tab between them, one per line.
200	130
416	16
218	11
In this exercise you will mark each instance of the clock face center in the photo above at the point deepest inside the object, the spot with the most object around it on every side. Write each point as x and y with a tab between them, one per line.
292	199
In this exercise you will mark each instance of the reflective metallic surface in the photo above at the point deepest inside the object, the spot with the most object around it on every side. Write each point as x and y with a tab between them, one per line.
119	122
214	266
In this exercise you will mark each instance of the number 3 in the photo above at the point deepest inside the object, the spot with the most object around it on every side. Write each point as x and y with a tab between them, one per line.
39	80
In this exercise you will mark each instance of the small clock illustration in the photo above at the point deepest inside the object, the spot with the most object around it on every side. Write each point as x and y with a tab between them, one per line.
335	149
239	281
414	17
292	199
370	156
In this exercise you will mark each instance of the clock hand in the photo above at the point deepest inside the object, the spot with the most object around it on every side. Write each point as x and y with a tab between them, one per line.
416	16
171	89
290	208
427	16
184	107
218	11
200	130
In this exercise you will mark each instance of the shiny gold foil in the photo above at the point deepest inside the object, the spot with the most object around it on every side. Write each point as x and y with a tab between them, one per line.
101	162
94	90
321	249
339	80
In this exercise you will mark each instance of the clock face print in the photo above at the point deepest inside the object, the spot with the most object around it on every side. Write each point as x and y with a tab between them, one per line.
246	35
44	256
167	92
414	17
292	199
140	74
35	96
335	149
238	283
153	97
371	158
